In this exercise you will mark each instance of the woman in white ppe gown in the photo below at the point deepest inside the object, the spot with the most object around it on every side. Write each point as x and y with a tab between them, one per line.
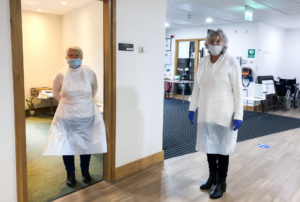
77	127
218	95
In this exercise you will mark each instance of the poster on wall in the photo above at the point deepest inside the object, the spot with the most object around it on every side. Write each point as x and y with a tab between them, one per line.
168	44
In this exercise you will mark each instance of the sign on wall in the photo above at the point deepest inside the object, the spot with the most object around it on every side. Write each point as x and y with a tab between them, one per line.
168	58
251	53
125	47
168	44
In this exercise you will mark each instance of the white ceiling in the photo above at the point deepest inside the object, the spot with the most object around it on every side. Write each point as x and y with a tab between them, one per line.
280	13
53	6
192	13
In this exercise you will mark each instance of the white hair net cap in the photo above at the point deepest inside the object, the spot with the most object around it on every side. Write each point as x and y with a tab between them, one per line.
74	48
219	32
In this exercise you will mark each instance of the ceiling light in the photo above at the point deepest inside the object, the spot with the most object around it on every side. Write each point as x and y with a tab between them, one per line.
64	3
248	13
209	20
39	10
167	24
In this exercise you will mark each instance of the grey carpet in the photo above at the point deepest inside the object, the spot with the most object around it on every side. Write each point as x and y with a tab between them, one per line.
179	136
258	124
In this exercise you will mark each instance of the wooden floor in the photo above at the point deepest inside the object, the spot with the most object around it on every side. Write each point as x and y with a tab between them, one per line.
255	175
292	112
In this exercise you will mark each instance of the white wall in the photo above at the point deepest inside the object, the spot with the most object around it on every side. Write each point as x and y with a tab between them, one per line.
42	48
270	55
267	40
139	115
8	190
241	37
290	67
84	27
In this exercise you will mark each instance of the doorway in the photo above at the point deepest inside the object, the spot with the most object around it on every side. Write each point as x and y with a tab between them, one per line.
179	136
46	35
18	81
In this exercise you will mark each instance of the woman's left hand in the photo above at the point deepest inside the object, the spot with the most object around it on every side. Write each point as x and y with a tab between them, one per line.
237	124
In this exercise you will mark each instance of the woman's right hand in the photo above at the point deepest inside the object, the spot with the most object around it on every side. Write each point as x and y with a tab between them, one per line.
191	117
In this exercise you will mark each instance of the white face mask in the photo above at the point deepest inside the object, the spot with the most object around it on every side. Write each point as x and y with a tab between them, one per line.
215	49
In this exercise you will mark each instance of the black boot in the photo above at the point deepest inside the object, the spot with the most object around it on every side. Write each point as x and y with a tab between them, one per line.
71	181
212	179
219	189
86	177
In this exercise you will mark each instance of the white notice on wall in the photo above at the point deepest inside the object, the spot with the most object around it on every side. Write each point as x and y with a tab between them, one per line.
259	91
269	86
184	49
168	58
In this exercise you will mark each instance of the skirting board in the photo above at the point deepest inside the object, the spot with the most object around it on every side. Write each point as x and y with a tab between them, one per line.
138	165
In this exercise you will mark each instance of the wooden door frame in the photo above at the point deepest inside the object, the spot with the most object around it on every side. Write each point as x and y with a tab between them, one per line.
196	61
197	45
109	40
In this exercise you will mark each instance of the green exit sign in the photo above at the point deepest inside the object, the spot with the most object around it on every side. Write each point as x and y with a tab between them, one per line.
248	16
251	53
248	13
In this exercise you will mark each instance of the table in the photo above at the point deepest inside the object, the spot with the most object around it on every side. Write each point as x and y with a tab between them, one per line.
184	82
255	99
47	95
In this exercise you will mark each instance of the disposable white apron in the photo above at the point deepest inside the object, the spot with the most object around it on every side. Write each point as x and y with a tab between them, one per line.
77	127
216	84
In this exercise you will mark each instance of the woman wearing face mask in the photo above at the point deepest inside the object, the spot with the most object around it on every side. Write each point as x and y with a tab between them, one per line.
77	127
217	94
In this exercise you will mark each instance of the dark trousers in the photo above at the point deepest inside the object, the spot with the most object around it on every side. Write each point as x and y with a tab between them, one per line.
84	162
218	166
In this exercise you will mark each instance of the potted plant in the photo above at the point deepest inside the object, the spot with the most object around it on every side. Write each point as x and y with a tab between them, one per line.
30	106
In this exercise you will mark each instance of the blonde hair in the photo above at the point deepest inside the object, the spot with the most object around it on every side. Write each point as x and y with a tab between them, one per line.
74	48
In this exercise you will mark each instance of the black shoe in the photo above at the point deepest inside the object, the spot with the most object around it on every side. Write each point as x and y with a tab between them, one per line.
207	185
218	191
86	177
71	182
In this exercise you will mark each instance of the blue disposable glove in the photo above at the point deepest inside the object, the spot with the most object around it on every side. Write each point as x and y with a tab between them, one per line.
191	117
237	124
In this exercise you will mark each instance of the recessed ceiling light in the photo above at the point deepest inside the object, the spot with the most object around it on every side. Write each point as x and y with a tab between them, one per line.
64	3
39	10
209	20
167	24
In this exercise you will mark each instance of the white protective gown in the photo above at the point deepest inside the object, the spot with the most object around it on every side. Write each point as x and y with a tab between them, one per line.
77	127
218	95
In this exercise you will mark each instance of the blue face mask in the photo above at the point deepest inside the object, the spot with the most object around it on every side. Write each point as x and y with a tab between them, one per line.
74	63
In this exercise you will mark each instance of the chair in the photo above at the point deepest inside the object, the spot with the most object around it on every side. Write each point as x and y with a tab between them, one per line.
288	92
